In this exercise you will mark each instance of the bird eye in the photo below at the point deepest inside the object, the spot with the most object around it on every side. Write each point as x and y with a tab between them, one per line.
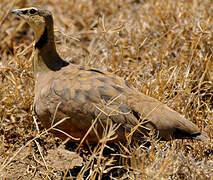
32	11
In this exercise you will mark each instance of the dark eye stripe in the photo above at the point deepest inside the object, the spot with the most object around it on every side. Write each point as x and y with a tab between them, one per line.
25	11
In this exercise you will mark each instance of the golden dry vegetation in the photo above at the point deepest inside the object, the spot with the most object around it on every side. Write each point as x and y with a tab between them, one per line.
164	48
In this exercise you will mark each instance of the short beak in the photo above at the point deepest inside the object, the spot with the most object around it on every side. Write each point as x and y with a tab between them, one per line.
16	11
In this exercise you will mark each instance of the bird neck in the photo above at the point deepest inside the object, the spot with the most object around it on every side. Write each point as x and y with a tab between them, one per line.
46	57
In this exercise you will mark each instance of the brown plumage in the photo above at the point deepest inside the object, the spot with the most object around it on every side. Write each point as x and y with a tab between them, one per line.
82	94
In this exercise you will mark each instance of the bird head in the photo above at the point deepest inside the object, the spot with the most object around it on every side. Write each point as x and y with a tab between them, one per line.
37	18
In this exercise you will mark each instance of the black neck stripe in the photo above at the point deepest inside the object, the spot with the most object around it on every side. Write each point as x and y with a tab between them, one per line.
43	40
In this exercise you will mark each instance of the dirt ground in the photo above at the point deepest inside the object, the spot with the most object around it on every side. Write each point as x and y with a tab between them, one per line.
163	48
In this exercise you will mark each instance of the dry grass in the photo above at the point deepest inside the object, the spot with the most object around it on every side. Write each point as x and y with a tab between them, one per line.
164	48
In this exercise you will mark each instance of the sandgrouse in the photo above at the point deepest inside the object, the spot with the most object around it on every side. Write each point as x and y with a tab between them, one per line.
87	97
